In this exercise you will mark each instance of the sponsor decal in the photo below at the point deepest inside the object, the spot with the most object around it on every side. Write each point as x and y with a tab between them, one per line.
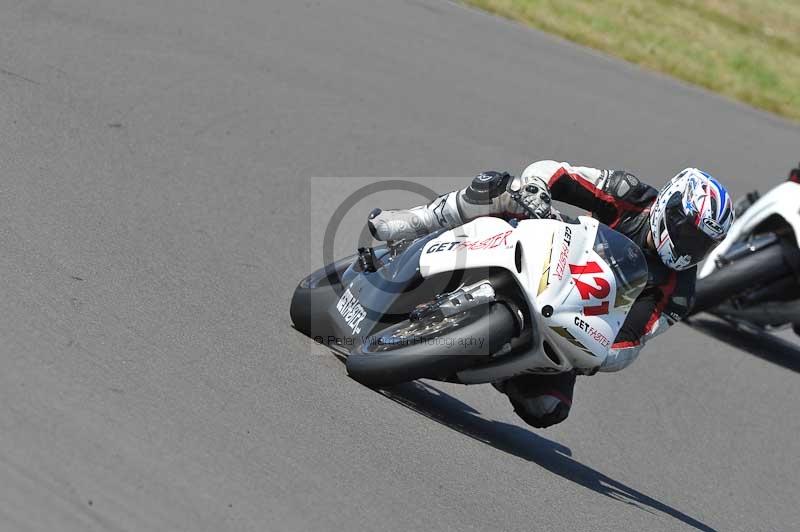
593	333
568	336
500	239
351	311
544	282
600	290
713	226
673	316
561	267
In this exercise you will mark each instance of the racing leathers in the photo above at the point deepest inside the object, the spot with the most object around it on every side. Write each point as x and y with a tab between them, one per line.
615	198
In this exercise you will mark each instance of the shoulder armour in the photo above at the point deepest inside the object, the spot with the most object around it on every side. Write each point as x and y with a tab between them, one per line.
623	185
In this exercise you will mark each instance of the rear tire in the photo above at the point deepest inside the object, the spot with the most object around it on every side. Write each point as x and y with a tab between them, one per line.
761	267
469	338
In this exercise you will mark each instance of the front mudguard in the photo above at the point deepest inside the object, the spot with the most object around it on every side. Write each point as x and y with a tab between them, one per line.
324	303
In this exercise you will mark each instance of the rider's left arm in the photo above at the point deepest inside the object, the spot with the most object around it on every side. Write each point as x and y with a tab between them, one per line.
652	314
633	335
581	186
604	193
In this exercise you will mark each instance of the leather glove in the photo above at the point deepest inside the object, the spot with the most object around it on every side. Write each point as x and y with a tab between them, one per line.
536	198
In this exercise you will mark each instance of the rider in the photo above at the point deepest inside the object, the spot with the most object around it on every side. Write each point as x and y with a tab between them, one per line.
676	228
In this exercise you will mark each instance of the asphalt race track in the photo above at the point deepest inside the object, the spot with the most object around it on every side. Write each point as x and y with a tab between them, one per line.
163	190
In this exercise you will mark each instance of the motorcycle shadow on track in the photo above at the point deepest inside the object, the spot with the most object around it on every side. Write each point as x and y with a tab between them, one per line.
439	406
552	456
758	343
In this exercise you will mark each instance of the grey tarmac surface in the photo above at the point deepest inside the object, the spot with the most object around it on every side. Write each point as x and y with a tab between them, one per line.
157	208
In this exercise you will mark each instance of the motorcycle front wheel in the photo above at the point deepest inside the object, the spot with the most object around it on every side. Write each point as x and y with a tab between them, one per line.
434	349
316	294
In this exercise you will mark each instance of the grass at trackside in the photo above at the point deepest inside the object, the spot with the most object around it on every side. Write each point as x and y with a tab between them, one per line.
745	49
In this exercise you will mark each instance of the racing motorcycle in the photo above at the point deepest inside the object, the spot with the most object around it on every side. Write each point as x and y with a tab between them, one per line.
753	277
481	303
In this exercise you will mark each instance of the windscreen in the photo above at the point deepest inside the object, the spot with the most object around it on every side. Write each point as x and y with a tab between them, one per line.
626	260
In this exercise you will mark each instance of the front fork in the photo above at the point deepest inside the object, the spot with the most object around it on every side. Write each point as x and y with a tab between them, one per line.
462	299
454	302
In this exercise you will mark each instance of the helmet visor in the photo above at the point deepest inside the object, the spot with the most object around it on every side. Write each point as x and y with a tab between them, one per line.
687	238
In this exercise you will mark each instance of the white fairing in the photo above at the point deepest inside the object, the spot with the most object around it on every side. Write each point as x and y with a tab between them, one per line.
582	326
783	200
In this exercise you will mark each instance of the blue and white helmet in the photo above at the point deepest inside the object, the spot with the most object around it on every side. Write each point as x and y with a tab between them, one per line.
690	217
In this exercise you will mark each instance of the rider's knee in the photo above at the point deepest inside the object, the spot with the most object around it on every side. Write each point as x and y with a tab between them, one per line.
541	411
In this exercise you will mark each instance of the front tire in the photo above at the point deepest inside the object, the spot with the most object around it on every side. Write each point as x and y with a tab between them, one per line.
315	295
413	350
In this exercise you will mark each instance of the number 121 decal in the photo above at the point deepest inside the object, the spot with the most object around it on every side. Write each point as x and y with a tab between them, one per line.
600	290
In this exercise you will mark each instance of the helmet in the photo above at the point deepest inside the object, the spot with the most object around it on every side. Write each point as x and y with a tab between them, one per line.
690	217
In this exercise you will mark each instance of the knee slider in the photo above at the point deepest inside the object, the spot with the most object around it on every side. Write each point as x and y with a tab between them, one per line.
540	412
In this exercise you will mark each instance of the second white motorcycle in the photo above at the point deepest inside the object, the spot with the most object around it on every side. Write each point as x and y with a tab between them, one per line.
753	277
